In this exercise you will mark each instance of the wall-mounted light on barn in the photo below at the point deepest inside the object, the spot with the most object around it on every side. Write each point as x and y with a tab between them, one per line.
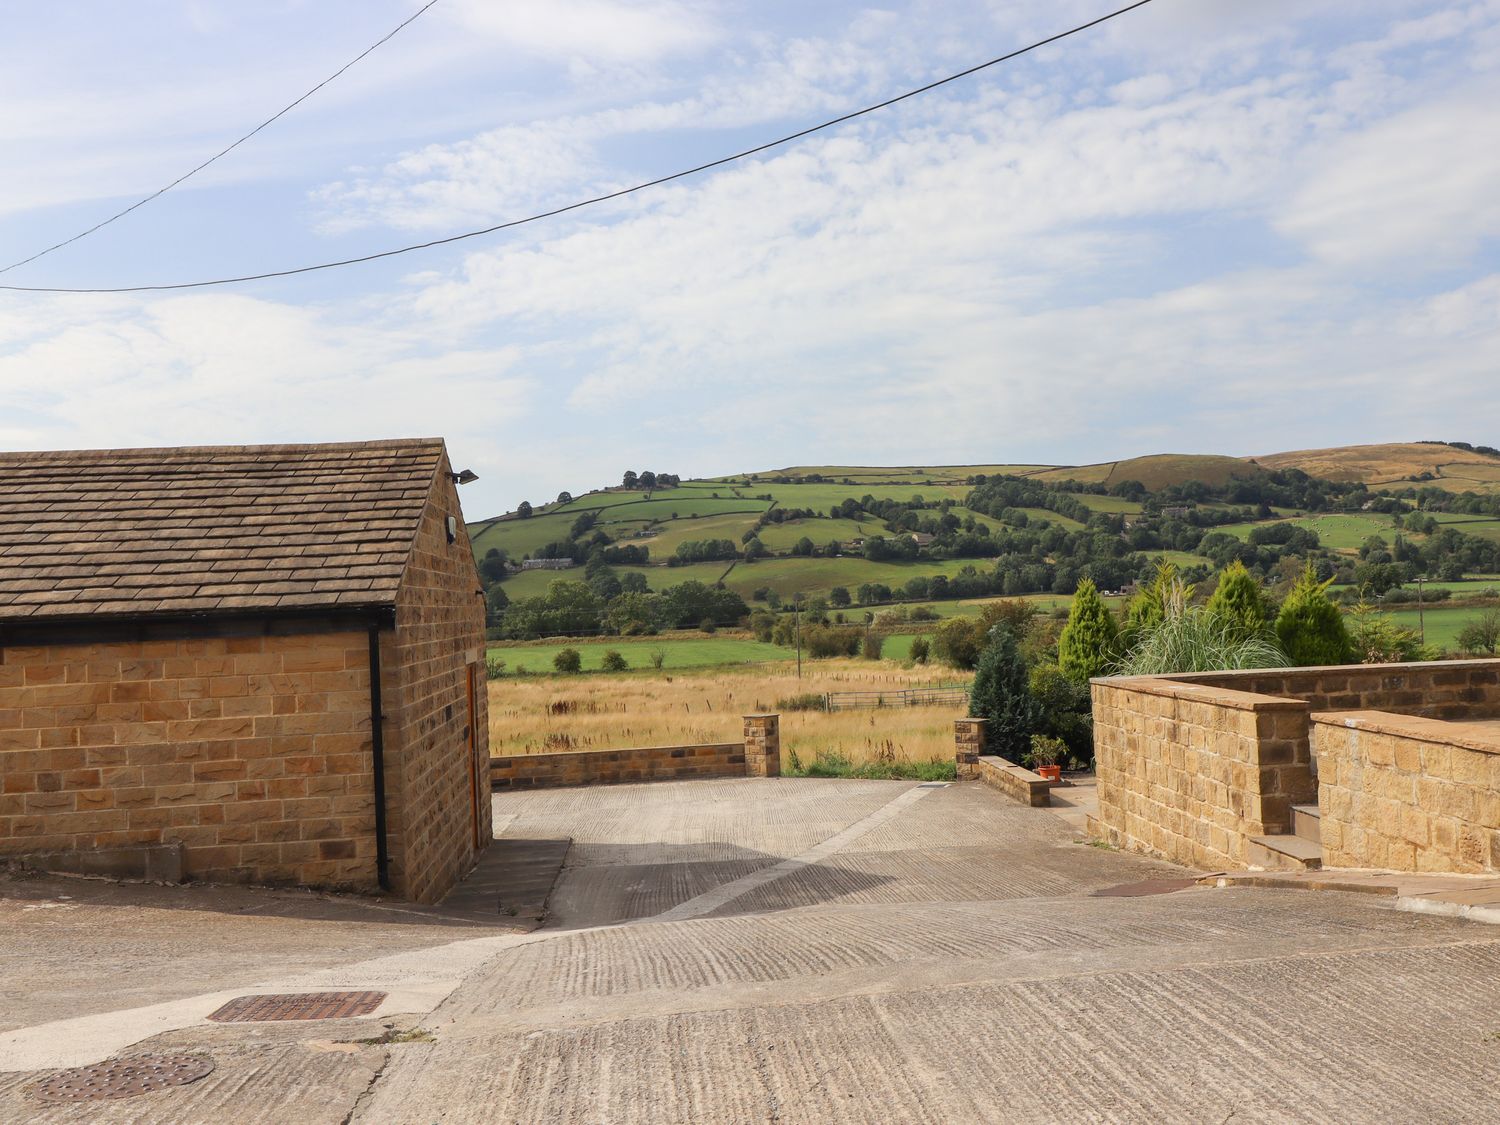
452	529
464	476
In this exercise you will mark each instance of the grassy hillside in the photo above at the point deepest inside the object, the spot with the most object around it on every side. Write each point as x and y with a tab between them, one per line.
1397	464
1157	471
1029	533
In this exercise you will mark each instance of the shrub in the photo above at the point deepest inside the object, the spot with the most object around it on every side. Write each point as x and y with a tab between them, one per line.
1065	709
762	624
807	701
920	649
614	662
1379	640
873	643
568	660
823	641
1310	627
1002	694
1089	639
1190	639
958	642
1402	594
1482	635
494	667
658	658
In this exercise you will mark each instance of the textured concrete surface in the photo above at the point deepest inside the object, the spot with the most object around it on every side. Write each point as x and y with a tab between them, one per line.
830	951
77	946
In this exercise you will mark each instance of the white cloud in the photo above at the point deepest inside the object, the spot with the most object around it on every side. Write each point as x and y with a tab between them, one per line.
1423	185
588	30
1127	247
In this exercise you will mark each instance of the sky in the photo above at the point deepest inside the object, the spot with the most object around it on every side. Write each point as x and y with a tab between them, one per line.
1209	226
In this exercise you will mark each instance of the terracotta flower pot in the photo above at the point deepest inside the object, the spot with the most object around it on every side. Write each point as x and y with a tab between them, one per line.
1049	773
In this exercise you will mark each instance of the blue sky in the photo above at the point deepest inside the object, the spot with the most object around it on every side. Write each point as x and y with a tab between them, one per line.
1206	227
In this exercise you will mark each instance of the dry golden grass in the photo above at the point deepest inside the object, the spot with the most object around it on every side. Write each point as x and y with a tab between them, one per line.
1393	463
534	716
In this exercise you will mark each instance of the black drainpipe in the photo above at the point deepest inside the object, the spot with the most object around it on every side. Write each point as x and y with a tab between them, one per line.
377	750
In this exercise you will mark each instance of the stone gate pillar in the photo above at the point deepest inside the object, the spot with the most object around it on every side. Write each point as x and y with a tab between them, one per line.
762	745
968	742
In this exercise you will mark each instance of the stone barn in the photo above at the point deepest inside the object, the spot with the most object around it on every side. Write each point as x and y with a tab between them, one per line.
243	664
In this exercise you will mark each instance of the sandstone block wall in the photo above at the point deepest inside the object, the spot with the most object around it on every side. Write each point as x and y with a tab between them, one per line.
762	745
614	767
1189	772
252	751
758	756
968	746
1408	794
437	751
1441	689
1016	782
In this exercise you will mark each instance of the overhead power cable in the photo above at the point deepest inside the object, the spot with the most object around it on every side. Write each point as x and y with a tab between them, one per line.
222	152
582	203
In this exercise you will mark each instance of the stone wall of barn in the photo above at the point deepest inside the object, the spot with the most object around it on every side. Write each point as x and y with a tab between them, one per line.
437	740
251	751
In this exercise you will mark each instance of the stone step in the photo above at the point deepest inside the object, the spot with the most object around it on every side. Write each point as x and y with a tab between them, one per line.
1283	853
1307	823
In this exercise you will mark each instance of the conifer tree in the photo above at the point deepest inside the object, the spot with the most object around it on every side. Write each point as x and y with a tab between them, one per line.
1238	603
1148	608
1310	627
1089	641
1002	694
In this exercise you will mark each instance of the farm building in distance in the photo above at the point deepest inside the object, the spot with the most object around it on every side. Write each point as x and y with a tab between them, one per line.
250	664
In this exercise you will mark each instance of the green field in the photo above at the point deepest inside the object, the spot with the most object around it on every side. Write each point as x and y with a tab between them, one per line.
914	473
818	576
1443	625
780	537
664	542
1111	504
1337	532
679	652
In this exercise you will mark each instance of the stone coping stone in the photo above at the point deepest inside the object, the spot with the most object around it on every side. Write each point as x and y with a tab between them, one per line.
1481	736
1332	669
1202	693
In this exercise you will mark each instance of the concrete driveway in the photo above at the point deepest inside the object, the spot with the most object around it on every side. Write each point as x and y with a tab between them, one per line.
829	951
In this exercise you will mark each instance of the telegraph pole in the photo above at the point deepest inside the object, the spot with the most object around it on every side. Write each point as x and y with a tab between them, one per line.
797	623
1421	621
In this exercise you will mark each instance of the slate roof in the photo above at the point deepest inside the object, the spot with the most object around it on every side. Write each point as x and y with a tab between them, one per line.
111	532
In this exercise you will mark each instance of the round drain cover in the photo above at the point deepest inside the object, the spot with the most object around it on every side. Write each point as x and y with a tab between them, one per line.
122	1078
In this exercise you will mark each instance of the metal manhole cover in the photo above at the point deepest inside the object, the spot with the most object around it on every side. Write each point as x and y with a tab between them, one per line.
1148	887
122	1078
298	1006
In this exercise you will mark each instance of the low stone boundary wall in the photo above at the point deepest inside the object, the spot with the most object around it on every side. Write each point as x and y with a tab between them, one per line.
1190	772
1016	782
1408	794
1191	766
758	756
973	764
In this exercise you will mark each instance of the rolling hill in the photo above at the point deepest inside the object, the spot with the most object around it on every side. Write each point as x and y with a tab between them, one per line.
739	506
1396	465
